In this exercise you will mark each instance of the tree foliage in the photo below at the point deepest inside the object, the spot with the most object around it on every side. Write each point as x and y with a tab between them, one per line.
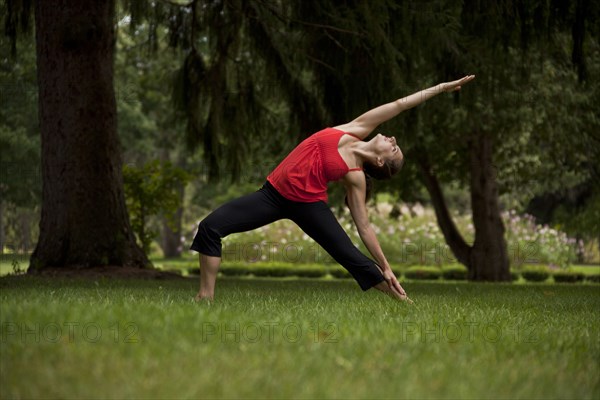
252	77
151	190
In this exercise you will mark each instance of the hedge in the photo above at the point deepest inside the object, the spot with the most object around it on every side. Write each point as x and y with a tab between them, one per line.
397	272
456	273
276	270
531	273
340	273
423	273
310	272
568	276
593	278
270	271
514	275
535	274
235	270
175	271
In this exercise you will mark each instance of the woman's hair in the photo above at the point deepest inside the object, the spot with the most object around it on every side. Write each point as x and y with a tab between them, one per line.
386	171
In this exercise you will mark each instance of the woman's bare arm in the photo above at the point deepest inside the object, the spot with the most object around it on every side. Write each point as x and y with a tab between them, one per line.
367	122
356	192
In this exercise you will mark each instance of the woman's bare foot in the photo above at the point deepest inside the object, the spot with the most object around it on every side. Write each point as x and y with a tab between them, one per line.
385	288
203	297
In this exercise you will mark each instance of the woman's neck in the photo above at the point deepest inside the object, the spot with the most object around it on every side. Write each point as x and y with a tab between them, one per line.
362	152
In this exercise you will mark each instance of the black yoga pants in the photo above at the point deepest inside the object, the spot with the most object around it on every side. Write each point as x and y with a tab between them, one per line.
268	205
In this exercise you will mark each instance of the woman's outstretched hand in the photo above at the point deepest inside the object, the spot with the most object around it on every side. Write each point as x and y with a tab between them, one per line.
456	85
394	287
392	281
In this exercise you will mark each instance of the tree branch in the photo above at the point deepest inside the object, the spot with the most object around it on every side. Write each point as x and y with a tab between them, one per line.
314	25
176	4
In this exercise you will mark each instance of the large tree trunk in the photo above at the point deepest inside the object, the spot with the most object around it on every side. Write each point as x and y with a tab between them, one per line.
84	219
489	255
487	258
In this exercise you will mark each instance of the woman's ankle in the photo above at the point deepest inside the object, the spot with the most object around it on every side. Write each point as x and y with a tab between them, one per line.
204	296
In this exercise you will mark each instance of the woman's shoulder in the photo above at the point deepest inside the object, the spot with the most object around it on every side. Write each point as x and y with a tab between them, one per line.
335	132
355	177
328	131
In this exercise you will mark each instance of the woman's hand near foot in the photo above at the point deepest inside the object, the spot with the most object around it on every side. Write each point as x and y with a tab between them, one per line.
392	281
392	287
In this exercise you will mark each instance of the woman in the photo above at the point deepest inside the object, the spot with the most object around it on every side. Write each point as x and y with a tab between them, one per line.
297	189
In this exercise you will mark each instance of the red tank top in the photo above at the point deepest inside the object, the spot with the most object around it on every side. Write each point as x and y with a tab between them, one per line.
303	175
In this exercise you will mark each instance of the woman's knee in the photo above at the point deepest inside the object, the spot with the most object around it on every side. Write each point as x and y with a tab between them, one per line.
207	228
208	239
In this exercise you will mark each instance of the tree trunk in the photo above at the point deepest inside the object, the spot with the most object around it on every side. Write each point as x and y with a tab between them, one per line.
487	259
84	220
489	255
454	239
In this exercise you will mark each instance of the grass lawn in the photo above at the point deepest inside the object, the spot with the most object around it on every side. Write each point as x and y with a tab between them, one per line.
296	338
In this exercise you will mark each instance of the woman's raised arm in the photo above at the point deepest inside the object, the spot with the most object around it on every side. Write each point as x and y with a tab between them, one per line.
367	122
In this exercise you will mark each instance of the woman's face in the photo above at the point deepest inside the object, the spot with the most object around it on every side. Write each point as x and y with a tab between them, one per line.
386	148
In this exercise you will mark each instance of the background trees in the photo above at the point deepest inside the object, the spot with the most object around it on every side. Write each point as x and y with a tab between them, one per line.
20	182
239	82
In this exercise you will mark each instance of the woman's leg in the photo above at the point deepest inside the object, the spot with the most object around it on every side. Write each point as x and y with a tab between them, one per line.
209	267
317	220
243	214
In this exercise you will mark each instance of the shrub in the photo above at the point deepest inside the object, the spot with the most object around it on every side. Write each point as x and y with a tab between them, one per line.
174	271
402	238
541	244
234	270
310	272
260	270
194	271
270	270
340	273
593	278
514	275
457	273
152	190
397	271
568	276
279	271
535	274
423	273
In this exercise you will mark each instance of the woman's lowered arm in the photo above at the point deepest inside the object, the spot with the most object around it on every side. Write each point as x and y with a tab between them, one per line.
356	191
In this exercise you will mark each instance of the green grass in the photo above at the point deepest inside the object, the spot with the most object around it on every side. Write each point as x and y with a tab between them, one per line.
586	269
318	339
